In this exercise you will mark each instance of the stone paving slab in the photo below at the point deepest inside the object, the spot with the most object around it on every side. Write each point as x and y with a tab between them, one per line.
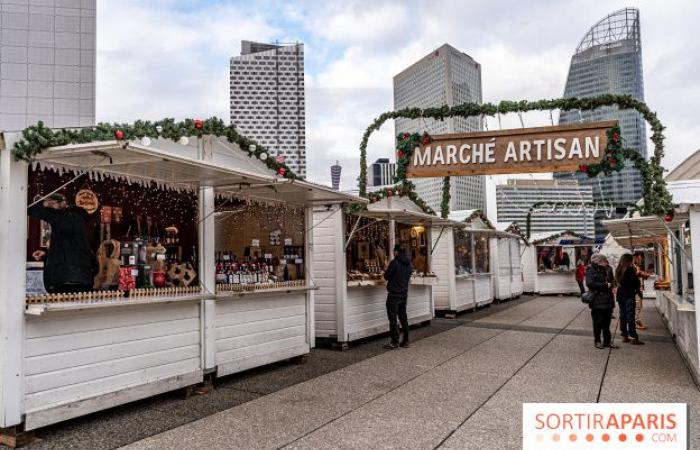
461	388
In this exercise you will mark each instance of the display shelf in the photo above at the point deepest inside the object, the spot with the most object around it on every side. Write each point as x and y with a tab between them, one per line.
38	309
262	292
355	283
424	281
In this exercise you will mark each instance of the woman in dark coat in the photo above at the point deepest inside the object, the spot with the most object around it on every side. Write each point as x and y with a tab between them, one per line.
629	287
600	282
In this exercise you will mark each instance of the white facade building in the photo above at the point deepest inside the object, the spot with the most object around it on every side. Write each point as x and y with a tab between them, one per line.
381	174
47	63
267	99
444	77
515	199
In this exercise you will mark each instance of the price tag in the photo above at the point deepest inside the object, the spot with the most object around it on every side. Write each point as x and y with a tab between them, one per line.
227	257
256	243
298	261
268	256
288	241
134	272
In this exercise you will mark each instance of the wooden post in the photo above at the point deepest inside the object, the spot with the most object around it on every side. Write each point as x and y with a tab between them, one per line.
13	256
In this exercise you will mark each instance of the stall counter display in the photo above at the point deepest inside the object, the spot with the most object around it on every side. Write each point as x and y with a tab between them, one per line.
259	247
368	253
553	257
140	248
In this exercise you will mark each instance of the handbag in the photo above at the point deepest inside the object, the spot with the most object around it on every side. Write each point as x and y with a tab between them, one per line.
587	297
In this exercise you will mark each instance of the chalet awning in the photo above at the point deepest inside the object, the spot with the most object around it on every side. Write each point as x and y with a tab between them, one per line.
640	231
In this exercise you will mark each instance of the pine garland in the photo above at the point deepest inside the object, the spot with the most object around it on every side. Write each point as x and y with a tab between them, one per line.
656	198
562	234
36	139
446	197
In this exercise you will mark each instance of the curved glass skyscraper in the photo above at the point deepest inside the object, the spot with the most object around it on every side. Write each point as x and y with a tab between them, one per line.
608	60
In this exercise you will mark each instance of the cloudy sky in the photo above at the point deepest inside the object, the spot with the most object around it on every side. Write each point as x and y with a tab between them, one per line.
168	58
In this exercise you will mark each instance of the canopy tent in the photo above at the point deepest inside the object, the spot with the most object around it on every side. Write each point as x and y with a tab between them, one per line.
226	168
639	231
403	210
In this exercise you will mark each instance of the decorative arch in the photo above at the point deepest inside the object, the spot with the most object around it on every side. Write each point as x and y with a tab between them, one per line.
656	199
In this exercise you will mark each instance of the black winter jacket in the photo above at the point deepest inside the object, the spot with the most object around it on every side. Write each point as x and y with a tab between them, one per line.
69	259
597	279
630	286
398	276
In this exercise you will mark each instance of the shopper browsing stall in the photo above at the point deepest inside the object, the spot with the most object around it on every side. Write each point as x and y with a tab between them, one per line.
398	275
70	263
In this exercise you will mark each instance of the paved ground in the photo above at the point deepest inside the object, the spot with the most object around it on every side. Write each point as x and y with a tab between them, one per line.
123	425
459	389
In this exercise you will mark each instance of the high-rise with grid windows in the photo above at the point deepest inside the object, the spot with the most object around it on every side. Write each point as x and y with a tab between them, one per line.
267	99
608	60
444	77
47	63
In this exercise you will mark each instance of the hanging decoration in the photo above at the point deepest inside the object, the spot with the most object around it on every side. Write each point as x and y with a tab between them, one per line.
656	198
37	138
554	206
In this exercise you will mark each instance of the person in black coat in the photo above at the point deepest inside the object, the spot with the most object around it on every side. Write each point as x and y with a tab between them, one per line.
600	281
629	287
398	277
70	263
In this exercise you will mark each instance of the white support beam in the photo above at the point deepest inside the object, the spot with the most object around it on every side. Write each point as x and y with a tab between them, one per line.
13	254
207	272
308	261
695	255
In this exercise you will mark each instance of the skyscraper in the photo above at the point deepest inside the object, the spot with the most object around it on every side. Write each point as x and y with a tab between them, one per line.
336	169
381	173
444	77
47	63
515	199
267	99
608	60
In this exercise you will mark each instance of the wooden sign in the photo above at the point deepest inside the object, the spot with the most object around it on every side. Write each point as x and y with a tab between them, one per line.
560	148
87	200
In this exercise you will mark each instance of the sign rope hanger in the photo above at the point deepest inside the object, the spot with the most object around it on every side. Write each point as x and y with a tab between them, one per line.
605	158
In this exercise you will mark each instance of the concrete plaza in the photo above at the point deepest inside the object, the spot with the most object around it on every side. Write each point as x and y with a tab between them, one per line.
461	388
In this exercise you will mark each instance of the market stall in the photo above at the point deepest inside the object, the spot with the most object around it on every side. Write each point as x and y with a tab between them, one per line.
551	261
161	217
352	249
506	248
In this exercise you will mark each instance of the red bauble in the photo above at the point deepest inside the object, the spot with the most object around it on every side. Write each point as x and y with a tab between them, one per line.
583	168
400	154
118	135
406	136
668	217
615	137
612	161
198	124
281	171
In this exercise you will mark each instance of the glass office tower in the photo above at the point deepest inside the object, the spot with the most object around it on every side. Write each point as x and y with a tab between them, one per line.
608	60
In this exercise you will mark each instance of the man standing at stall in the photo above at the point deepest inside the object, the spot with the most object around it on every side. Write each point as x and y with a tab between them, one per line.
70	264
398	276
